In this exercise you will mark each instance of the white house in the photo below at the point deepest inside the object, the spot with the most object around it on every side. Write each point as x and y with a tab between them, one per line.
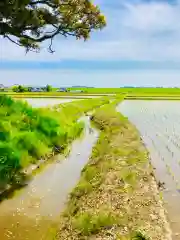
3	88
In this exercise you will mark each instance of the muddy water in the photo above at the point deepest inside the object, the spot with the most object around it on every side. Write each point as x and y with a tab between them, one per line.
33	211
159	125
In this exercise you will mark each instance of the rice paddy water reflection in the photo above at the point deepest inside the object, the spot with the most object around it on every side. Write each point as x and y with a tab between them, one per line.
159	125
46	102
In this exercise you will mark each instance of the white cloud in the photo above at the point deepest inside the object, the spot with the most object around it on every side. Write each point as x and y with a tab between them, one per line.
153	17
135	31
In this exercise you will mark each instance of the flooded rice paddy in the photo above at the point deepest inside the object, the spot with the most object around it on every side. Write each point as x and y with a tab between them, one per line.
33	211
159	125
46	102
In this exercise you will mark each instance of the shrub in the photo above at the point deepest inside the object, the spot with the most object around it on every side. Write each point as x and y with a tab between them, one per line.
81	189
29	141
9	162
140	235
47	126
75	130
5	131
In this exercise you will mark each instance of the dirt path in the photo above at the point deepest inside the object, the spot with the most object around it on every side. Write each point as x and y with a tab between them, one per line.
117	196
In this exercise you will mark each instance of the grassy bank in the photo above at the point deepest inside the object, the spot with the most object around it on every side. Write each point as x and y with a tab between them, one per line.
70	112
28	135
116	197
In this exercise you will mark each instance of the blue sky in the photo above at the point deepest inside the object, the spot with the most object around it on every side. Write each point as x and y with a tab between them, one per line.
139	46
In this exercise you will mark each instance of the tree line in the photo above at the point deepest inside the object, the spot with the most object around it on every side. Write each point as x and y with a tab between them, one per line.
20	88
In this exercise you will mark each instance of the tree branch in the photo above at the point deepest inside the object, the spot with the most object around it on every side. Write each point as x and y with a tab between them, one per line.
29	21
50	47
32	3
5	36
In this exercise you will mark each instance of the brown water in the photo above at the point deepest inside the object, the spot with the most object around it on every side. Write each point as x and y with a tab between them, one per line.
159	125
33	212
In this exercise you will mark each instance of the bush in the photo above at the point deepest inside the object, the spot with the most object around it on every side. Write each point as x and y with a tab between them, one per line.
81	189
75	130
29	141
5	131
140	235
9	162
48	88
19	88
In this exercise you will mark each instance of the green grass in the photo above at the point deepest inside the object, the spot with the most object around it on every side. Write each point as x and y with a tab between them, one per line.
139	235
134	91
113	199
126	93
28	135
130	92
87	223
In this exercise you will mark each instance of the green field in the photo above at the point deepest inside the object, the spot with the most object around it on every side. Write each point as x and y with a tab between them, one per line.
133	91
128	93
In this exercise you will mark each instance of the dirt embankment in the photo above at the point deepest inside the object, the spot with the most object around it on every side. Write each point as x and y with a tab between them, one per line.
117	196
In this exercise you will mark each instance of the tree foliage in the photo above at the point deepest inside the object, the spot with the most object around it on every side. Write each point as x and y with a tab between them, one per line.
48	88
19	88
30	22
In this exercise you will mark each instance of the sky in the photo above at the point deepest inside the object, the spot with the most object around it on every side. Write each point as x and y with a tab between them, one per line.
140	46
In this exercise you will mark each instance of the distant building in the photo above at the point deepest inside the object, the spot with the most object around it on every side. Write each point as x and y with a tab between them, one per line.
3	88
76	91
62	90
36	89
